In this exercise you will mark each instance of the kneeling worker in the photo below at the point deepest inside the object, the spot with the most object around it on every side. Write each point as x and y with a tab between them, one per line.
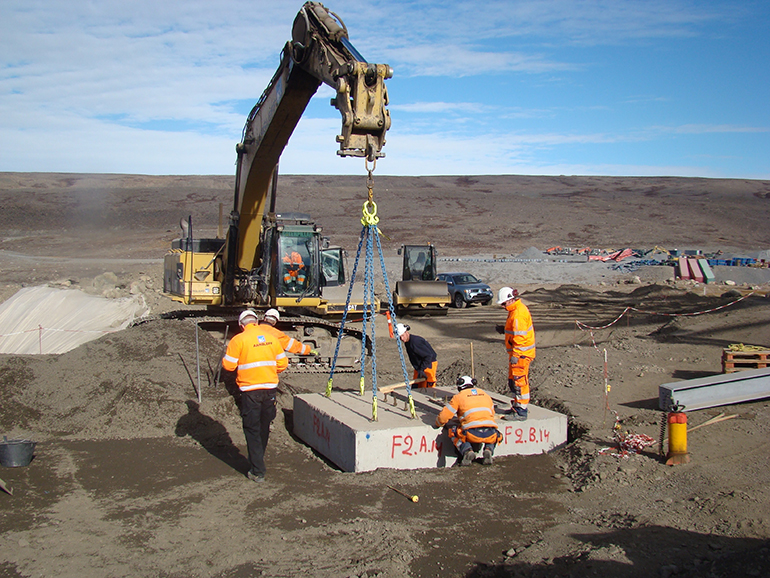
470	422
421	356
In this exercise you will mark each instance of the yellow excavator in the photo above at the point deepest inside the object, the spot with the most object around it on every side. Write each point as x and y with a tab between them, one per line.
281	260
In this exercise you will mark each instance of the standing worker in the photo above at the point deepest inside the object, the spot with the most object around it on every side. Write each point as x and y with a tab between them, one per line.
289	344
470	422
257	356
421	356
520	345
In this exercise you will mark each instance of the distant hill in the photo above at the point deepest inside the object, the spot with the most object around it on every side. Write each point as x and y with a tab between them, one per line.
461	215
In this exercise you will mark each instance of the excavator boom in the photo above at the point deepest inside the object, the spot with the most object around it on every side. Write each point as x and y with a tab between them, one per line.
319	52
274	259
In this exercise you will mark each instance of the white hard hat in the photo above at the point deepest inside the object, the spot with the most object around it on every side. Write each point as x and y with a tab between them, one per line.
465	381
273	313
401	329
245	315
506	294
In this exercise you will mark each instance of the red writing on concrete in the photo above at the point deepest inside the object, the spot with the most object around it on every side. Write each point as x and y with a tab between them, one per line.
519	435
320	429
406	445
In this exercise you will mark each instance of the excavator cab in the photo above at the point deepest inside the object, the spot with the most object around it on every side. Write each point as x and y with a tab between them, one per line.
297	275
307	273
292	246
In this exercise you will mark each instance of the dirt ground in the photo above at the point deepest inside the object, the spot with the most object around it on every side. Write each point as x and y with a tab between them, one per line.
133	477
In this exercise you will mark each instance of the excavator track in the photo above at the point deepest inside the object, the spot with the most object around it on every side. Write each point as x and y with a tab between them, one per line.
321	334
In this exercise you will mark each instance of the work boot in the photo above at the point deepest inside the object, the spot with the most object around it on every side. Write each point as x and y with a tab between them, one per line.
487	457
256	477
468	458
515	416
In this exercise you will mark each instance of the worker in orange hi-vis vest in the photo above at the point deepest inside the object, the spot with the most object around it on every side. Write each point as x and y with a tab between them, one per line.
520	346
257	357
294	270
470	422
271	317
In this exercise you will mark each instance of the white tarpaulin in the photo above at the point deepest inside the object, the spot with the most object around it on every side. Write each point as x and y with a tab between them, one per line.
48	320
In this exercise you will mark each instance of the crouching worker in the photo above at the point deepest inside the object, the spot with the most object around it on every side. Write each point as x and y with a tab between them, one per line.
421	356
470	422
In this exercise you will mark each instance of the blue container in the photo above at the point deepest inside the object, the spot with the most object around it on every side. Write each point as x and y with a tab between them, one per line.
16	453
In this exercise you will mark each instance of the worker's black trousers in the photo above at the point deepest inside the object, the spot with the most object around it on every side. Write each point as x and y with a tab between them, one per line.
257	412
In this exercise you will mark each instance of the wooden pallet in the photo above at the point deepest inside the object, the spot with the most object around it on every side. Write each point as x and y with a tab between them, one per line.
733	361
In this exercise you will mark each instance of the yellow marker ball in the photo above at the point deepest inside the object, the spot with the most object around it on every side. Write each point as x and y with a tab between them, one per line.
415	499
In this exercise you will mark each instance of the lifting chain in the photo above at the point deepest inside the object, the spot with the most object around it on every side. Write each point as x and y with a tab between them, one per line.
369	236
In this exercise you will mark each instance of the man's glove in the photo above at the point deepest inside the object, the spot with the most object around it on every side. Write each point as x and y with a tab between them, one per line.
421	375
314	352
514	360
500	329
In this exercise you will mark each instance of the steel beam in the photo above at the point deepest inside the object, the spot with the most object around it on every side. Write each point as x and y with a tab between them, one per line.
713	391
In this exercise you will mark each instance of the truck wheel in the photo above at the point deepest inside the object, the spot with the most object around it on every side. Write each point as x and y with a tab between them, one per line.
458	301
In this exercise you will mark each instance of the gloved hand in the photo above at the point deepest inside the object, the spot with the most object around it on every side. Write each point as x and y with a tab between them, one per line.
500	329
314	352
421	375
514	360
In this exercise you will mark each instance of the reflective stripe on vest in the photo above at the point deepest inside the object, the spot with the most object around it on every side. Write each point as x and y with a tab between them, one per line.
257	364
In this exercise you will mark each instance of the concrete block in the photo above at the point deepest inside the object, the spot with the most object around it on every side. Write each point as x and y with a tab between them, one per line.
340	428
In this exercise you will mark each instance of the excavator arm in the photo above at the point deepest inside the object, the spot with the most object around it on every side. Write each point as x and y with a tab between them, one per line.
278	259
319	52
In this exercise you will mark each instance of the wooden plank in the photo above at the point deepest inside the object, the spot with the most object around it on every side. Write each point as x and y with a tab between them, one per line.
695	271
388	388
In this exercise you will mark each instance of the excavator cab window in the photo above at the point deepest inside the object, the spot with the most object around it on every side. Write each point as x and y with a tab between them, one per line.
332	267
298	259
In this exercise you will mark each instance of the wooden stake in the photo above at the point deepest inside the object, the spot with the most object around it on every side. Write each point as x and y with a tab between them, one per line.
713	420
414	498
473	371
716	419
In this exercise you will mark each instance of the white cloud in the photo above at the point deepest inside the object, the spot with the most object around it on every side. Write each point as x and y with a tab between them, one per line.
443	107
469	60
712	128
164	87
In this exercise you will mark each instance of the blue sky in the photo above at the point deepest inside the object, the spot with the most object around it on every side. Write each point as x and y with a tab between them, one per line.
547	87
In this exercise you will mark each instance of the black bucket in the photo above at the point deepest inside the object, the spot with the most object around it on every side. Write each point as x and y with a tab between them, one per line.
16	453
